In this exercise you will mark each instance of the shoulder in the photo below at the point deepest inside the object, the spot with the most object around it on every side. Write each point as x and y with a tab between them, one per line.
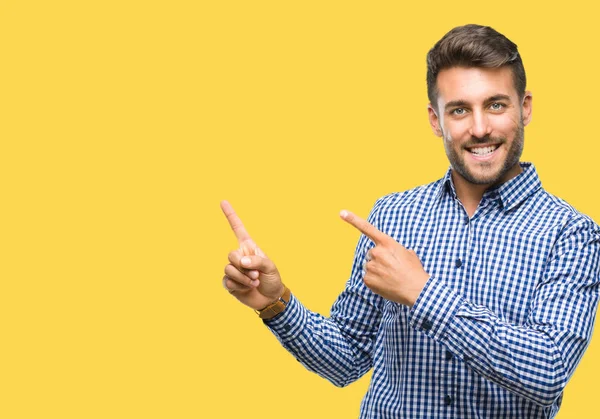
574	231
570	217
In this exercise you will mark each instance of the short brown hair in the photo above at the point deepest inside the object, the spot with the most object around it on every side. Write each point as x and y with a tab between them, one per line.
473	46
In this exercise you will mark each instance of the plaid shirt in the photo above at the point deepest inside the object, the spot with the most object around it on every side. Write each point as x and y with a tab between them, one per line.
499	327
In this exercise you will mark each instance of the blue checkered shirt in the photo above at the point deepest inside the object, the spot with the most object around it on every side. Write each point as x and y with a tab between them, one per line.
499	327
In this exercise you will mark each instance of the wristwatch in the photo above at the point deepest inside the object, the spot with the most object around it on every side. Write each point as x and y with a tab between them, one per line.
277	307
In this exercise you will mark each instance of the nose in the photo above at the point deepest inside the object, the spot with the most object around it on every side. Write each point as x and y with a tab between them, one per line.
480	125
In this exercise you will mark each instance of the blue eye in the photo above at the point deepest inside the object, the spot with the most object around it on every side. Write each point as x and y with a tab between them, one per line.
459	111
497	106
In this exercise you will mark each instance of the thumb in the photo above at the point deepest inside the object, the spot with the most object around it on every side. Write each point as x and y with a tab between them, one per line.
259	263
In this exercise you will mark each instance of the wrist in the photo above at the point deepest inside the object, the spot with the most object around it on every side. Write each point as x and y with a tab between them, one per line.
416	291
276	307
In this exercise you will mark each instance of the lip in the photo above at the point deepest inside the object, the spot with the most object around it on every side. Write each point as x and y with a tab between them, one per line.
484	158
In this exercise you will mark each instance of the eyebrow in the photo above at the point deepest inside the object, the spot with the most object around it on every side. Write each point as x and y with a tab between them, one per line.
460	103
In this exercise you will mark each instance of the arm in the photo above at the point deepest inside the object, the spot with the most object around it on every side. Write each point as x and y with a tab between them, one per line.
338	348
536	359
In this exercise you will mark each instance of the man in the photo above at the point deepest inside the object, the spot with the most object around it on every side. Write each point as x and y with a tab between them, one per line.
471	297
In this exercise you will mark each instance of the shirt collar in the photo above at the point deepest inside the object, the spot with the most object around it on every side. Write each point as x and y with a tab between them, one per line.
510	193
446	185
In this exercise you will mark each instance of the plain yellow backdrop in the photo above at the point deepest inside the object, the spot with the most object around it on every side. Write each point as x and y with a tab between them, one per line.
124	123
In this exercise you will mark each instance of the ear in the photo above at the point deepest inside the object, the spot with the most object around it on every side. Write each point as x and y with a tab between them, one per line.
526	107
434	120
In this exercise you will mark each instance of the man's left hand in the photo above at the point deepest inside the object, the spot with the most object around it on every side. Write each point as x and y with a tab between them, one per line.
391	270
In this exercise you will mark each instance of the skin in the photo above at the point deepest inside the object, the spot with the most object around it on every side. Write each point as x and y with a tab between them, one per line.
250	276
475	107
479	107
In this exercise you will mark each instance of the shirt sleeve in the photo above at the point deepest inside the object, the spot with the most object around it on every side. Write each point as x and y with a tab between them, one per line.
338	348
536	359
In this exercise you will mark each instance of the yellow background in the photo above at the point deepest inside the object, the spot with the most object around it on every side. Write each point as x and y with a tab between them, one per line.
124	123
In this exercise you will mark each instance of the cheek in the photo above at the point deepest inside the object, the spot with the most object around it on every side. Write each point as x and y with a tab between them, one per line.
455	131
506	125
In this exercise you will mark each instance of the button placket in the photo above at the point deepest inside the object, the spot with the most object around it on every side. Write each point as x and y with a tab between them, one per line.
448	378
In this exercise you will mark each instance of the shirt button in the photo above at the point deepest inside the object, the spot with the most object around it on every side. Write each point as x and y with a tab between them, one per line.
447	400
448	355
458	263
427	325
466	220
287	327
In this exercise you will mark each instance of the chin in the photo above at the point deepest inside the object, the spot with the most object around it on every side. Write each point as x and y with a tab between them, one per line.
479	175
488	177
491	180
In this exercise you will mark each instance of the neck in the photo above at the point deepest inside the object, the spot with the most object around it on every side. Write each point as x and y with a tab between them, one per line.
470	194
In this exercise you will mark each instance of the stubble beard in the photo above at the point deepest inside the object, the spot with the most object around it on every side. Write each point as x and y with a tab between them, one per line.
488	177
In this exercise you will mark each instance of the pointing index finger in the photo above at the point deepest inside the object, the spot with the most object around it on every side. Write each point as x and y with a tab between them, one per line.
363	226
235	222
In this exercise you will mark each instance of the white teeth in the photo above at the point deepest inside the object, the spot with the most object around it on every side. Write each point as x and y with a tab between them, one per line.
483	151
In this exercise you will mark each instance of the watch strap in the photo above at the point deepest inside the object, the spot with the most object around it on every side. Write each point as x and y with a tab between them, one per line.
277	307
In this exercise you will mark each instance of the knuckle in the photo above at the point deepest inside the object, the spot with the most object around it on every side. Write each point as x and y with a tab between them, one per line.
268	265
234	274
233	256
230	270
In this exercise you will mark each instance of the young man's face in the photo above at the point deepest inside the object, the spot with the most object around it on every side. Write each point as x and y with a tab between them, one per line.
481	119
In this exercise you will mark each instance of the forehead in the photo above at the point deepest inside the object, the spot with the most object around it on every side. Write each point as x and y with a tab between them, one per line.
474	84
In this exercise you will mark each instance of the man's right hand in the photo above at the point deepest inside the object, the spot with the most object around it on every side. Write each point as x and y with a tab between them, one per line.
250	276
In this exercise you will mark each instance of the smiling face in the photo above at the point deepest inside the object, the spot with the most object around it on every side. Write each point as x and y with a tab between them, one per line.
481	119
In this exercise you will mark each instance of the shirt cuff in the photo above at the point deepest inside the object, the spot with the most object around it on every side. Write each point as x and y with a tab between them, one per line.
289	323
434	309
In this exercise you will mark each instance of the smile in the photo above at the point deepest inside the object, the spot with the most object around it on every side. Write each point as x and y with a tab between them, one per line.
483	152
